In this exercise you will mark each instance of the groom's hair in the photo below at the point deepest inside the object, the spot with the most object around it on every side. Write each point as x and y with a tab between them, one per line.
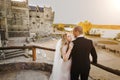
79	29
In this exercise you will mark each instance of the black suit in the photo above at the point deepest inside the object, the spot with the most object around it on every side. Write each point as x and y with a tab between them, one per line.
80	58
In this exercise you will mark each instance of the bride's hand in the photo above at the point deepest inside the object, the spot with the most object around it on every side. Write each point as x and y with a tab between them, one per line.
65	58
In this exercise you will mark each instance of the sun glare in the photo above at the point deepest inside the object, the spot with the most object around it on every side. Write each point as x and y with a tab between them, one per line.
116	4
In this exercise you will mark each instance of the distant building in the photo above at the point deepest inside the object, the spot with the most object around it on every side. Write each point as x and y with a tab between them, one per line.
68	29
104	33
20	19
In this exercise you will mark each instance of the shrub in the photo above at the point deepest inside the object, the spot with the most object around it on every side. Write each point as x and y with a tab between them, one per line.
60	27
118	36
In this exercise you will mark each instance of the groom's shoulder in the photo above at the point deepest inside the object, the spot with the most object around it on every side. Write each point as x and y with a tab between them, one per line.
74	41
88	39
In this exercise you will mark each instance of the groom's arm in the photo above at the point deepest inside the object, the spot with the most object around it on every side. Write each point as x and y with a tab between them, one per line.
94	54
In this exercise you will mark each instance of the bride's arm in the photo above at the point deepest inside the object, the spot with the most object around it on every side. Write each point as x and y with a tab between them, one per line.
69	51
63	53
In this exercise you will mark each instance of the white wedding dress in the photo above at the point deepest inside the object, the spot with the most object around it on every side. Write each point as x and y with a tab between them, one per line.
61	69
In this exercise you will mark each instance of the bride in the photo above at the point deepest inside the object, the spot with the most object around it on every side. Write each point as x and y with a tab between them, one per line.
61	66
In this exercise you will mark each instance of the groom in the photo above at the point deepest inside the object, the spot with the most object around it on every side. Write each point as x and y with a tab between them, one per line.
80	55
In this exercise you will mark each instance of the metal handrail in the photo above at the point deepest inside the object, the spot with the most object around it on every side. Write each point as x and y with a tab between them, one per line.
33	47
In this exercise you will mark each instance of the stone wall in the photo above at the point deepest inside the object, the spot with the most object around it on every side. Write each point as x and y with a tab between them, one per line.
20	16
19	33
5	12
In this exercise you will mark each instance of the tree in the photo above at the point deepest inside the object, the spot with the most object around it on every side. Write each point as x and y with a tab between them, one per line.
61	27
86	25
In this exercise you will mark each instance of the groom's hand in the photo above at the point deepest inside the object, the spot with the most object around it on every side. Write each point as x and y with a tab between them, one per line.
94	62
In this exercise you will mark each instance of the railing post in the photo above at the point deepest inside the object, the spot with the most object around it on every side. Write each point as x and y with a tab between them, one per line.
34	53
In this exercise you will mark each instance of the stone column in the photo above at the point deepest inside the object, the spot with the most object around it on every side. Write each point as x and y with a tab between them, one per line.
5	19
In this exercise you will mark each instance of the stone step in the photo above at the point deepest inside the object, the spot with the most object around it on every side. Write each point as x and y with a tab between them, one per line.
13	53
13	56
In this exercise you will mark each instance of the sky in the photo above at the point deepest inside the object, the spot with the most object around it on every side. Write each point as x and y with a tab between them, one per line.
74	11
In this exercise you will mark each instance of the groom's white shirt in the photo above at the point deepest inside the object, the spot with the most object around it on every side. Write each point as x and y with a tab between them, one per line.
81	35
78	37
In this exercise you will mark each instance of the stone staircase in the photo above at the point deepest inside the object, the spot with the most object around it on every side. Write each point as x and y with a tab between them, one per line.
8	54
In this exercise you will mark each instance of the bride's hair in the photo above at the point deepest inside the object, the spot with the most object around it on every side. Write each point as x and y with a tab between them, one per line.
64	40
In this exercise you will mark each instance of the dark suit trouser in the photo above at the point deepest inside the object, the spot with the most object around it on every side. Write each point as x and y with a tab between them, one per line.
83	74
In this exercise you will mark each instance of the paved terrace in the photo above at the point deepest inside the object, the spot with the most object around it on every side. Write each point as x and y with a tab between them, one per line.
44	56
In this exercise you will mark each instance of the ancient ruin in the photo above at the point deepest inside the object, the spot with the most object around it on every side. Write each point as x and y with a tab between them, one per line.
18	19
